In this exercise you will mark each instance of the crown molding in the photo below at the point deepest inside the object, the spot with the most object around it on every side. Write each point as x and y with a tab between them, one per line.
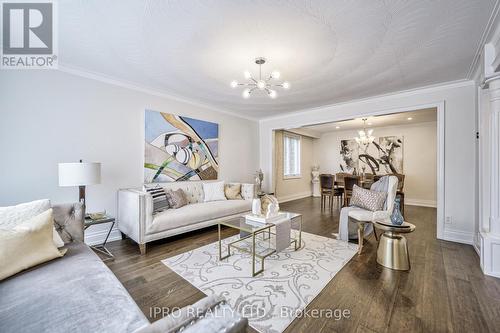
383	97
491	31
147	90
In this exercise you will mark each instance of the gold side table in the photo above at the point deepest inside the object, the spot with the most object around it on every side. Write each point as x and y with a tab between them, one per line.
392	251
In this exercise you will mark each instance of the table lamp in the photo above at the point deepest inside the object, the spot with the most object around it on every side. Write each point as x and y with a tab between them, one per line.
79	174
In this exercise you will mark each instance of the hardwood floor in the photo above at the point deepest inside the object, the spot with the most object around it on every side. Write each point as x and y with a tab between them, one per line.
444	292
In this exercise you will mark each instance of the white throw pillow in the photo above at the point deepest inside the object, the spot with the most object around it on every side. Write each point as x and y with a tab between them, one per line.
12	216
27	244
214	191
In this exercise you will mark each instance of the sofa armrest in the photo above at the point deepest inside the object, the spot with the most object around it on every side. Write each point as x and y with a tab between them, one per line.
68	221
135	209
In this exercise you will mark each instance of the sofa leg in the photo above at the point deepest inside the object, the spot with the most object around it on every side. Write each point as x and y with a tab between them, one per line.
142	248
123	235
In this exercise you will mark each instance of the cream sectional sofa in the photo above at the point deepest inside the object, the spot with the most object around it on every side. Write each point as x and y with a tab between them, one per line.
137	221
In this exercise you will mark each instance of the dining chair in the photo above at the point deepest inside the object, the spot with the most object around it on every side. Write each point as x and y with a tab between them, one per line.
326	186
349	182
339	178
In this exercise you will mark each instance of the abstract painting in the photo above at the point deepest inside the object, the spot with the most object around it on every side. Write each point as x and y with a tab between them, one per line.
179	148
391	154
383	156
349	151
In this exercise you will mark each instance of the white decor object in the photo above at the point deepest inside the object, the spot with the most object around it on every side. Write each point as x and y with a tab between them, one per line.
79	174
264	84
365	137
256	207
315	181
290	280
272	210
214	191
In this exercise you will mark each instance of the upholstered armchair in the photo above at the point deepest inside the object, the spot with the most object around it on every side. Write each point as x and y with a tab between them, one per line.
364	218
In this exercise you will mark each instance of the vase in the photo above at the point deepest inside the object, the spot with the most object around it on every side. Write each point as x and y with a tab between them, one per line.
256	207
397	217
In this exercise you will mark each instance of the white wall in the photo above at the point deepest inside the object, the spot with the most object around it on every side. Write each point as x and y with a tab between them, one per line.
419	157
49	117
459	135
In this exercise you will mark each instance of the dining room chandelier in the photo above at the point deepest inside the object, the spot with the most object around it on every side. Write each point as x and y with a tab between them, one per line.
265	84
365	137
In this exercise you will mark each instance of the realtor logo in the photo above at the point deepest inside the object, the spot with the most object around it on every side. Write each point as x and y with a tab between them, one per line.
28	35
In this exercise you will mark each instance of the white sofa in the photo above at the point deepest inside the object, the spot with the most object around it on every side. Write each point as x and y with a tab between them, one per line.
137	221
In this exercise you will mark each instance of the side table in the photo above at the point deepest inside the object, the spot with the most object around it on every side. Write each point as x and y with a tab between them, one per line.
261	194
101	248
392	251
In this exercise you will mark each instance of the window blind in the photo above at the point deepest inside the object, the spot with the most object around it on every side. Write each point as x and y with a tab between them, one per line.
291	158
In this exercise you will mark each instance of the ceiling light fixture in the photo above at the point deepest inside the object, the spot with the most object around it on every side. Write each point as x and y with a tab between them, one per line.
410	118
365	137
264	84
337	127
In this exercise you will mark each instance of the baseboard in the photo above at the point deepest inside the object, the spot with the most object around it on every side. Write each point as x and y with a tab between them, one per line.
459	236
98	236
421	203
295	196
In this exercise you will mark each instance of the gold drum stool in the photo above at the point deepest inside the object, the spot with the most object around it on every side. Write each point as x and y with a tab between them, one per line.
392	251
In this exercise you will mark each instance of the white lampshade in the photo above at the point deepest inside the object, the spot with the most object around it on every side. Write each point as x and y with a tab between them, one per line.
79	174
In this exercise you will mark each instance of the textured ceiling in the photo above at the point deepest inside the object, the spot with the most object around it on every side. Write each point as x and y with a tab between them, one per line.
330	51
395	119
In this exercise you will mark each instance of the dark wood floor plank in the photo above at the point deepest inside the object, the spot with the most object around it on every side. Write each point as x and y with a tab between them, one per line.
444	292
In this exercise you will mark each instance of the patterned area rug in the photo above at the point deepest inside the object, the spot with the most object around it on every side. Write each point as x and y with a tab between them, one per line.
272	299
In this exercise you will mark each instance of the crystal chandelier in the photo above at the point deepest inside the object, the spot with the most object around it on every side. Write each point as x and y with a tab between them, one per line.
365	137
265	84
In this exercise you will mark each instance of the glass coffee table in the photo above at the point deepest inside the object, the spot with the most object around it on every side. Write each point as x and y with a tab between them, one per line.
249	241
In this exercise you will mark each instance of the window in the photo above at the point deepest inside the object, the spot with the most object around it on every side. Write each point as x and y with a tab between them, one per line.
291	156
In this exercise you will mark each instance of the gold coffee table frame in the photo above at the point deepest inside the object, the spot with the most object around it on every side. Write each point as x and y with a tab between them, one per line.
253	231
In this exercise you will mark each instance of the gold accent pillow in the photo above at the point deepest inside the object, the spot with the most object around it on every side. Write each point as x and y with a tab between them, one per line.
233	191
27	245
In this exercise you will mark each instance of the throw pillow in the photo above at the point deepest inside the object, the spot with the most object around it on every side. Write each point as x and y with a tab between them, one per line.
27	245
12	216
233	191
176	199
160	202
366	199
214	191
248	191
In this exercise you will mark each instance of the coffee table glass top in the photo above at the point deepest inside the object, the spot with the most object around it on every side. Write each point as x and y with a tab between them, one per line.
241	223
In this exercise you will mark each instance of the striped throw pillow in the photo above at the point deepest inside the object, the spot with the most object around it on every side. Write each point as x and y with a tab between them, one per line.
160	202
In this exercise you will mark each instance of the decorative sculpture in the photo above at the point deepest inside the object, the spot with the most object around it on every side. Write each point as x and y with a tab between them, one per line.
269	206
315	181
259	178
